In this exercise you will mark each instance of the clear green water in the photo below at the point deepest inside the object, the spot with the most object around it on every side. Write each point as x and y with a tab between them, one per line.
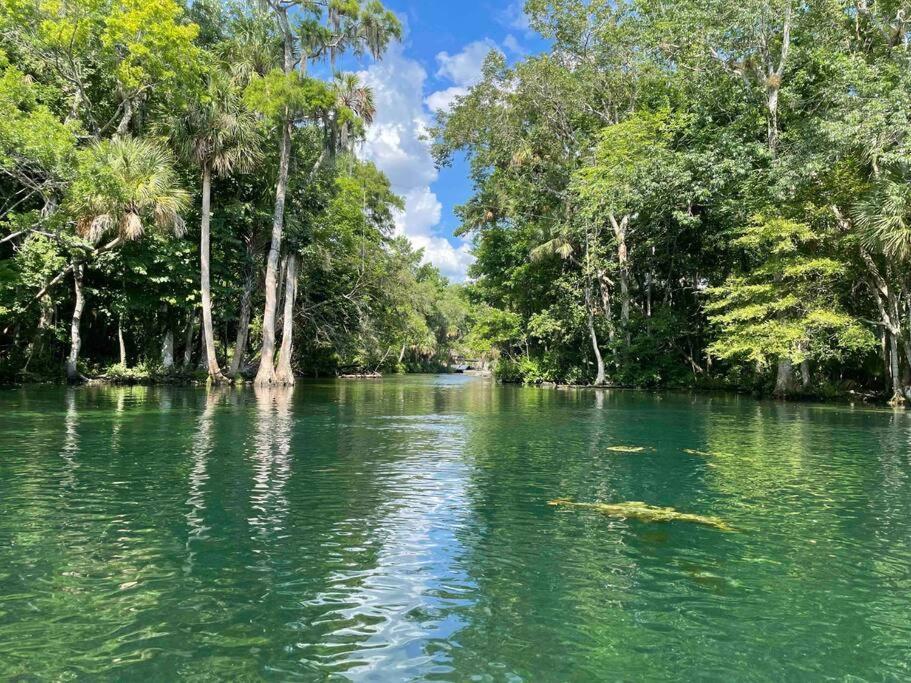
399	530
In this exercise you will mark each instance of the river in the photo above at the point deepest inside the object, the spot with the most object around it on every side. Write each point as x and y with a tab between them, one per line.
399	529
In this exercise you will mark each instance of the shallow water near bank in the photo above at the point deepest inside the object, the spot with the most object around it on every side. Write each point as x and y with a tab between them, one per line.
399	529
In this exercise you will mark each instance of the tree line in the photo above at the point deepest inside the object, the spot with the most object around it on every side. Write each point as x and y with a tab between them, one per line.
180	193
695	193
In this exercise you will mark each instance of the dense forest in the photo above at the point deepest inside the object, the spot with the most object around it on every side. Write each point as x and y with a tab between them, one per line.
674	193
696	192
181	195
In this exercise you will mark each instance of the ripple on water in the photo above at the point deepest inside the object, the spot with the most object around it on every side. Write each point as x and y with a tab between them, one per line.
399	530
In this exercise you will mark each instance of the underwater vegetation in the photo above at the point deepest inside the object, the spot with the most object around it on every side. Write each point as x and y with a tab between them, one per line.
643	512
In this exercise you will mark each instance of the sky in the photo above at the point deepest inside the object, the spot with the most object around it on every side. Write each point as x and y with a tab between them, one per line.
440	56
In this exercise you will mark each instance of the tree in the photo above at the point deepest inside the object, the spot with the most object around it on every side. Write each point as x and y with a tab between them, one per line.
786	307
122	186
218	135
290	97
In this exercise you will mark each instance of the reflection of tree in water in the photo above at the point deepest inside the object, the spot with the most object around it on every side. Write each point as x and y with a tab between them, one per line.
70	451
271	461
201	450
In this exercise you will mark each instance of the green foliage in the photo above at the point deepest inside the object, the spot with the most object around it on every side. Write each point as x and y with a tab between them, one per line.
277	95
786	306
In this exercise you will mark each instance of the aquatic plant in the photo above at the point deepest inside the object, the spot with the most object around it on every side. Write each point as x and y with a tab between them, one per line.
643	512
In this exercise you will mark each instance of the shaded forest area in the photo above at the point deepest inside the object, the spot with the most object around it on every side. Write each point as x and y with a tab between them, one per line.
696	193
181	197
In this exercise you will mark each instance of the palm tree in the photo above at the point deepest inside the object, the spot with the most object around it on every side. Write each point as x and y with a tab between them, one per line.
352	97
220	136
123	186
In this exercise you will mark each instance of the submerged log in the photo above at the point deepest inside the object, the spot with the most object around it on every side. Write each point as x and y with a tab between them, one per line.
629	449
643	512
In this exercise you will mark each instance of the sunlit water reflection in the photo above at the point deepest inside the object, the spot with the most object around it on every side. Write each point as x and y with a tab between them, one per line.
399	530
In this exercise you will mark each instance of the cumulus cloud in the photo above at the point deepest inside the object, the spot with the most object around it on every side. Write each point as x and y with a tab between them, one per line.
442	100
463	69
395	143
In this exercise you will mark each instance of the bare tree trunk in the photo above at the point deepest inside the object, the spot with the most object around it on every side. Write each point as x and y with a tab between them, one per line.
621	229
784	382
203	355
266	374
188	341
205	276
806	375
72	370
898	397
604	286
284	375
167	350
121	343
773	79
243	324
599	360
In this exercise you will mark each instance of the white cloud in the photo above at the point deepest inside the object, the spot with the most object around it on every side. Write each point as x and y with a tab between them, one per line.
453	261
442	100
395	144
464	68
422	212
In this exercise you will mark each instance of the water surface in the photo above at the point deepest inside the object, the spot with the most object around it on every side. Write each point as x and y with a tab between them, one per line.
399	530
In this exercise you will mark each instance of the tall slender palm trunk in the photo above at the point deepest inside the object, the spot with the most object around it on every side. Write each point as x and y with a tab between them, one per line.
243	325
72	370
266	374
898	396
121	343
205	276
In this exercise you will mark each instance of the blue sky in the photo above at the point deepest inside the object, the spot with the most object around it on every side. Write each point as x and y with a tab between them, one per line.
439	58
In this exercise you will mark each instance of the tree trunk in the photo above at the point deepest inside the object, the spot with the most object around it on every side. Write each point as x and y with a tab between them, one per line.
266	374
604	286
45	321
284	375
121	343
599	360
205	288
188	342
243	325
72	370
898	397
203	356
806	375
167	351
621	230
784	382
884	349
